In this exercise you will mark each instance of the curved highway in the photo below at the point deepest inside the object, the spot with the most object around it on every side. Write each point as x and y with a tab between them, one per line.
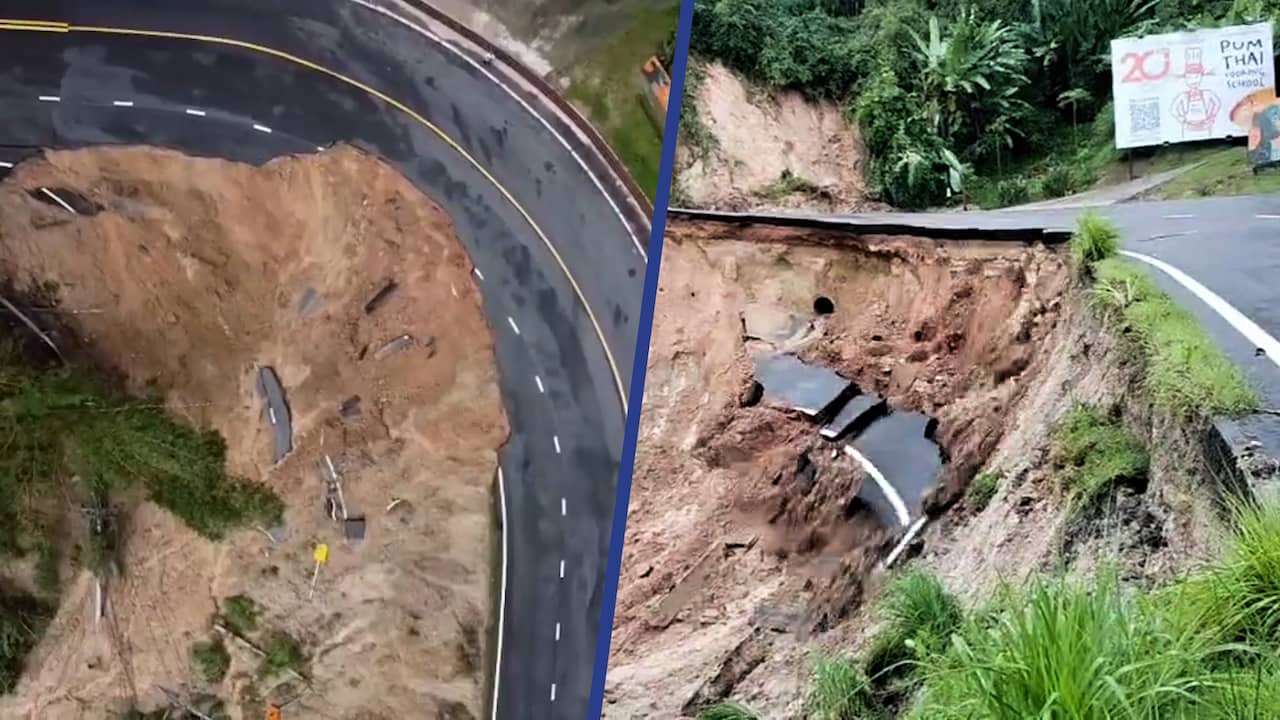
559	260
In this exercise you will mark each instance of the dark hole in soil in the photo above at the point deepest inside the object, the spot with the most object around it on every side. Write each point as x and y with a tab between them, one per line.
822	305
754	395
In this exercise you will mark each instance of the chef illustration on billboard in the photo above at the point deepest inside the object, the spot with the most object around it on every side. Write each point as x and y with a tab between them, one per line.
1195	108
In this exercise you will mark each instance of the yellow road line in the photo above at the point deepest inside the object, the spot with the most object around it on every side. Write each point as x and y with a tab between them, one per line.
613	366
33	26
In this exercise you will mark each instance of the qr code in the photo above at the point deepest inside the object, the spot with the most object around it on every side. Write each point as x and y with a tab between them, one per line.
1144	116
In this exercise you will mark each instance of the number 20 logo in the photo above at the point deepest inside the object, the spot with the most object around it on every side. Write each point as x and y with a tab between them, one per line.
1140	69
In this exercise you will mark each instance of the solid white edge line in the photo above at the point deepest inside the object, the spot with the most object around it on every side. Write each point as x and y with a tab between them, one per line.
59	200
538	379
1246	327
122	103
502	601
262	128
899	507
1267	217
5	164
596	181
556	440
197	113
513	325
1179	217
902	544
49	98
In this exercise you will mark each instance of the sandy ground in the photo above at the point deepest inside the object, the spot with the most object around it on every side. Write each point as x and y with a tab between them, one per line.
759	135
196	272
729	567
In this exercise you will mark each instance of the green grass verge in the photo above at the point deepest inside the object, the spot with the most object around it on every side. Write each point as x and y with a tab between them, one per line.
608	84
982	488
1186	373
210	660
1067	649
1221	172
1094	454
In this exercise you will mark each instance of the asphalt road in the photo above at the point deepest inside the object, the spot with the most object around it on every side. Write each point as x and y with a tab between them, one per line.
559	268
1230	245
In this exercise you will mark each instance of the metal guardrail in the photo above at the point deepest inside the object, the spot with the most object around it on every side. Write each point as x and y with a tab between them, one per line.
602	148
875	226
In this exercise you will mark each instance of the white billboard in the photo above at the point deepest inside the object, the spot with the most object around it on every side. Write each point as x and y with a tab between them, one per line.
1185	86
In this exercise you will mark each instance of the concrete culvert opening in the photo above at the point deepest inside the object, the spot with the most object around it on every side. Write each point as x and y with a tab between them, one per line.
822	305
988	349
193	273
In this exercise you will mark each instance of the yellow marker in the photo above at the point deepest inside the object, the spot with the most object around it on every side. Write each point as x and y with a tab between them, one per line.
322	556
273	713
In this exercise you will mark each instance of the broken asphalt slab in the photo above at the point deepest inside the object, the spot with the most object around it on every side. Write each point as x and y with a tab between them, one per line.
276	410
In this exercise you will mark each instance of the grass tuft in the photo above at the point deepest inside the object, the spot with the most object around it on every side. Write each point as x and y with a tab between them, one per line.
982	488
1095	454
211	661
1186	372
284	653
727	711
919	617
840	691
240	613
1094	240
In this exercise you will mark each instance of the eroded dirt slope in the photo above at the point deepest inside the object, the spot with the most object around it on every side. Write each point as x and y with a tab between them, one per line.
195	273
755	137
735	558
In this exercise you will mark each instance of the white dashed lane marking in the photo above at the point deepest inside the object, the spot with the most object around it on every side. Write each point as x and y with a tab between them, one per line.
557	632
478	273
538	380
197	113
553	692
50	98
6	164
272	412
1268	217
513	325
561	569
556	439
262	128
122	103
564	507
1187	216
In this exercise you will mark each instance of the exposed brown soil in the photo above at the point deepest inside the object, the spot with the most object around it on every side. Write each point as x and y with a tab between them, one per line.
760	553
192	276
759	135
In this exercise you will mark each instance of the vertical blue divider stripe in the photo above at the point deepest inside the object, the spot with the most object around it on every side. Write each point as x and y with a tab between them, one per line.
641	360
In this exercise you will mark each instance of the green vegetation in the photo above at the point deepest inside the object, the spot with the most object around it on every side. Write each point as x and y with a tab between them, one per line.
919	616
23	619
1223	172
283	654
1185	372
1001	101
788	183
1095	239
839	691
727	711
240	613
609	84
982	488
1094	455
211	660
1239	598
